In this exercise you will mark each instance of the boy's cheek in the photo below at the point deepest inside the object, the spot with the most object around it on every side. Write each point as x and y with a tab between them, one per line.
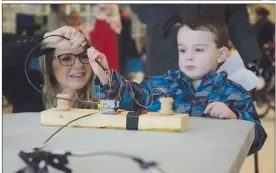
181	64
181	58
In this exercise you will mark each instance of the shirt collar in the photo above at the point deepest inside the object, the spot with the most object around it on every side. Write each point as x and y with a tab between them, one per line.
210	78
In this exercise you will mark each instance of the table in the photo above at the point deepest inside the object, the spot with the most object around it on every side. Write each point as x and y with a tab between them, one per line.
209	145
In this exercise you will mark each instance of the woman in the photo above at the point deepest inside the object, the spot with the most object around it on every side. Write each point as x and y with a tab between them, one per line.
67	70
59	71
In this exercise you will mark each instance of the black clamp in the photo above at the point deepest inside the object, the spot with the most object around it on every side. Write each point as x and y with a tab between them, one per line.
132	120
38	161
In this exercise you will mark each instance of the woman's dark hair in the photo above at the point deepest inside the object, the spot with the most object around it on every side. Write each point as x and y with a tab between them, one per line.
49	55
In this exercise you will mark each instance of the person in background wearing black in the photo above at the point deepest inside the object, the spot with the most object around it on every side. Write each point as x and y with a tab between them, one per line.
263	27
265	31
162	26
265	68
127	45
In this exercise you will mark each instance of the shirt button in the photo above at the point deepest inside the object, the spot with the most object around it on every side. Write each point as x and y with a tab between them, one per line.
18	41
25	40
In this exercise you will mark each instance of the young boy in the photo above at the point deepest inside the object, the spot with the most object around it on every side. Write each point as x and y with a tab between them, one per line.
196	89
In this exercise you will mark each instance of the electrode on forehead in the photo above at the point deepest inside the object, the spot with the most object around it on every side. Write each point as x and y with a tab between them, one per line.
166	106
63	103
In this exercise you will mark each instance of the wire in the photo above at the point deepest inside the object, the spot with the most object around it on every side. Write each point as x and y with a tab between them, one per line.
29	54
74	120
109	84
99	87
49	138
78	97
118	73
143	164
25	69
162	91
102	153
27	76
151	94
39	156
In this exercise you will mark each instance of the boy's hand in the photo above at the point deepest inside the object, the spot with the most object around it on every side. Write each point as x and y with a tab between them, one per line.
220	110
95	54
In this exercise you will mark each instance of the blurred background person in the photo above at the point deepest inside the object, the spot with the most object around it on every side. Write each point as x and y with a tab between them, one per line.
57	18
75	19
263	27
76	22
265	31
130	58
104	36
265	68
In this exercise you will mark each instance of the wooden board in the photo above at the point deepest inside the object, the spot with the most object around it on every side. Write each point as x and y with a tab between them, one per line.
152	121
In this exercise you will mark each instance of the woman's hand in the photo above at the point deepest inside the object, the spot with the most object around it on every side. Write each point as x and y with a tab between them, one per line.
94	54
75	36
220	110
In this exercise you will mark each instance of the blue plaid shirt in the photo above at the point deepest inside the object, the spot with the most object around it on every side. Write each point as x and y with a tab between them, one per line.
214	87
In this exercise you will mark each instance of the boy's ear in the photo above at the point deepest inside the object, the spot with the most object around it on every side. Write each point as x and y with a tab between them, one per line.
223	54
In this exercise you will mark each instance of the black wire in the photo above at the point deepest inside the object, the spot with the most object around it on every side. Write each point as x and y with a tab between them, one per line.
25	69
157	92
143	164
26	63
38	44
67	125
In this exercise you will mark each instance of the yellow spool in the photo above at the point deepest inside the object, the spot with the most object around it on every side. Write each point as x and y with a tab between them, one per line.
166	106
62	104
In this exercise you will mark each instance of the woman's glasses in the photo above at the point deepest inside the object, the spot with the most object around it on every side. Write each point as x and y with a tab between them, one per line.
69	59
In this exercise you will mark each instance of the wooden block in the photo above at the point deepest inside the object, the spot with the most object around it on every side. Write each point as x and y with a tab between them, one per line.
152	121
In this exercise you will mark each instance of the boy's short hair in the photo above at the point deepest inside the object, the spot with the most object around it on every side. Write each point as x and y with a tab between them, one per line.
206	23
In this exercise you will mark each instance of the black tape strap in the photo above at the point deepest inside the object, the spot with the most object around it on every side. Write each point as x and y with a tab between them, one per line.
132	120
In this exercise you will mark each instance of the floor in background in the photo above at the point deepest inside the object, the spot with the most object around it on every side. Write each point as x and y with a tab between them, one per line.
266	155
